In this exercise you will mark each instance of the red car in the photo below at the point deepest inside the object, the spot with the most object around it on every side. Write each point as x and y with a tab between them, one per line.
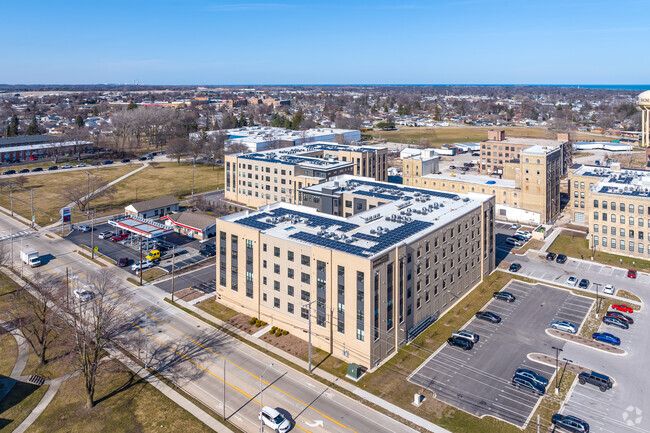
32	158
631	273
624	308
122	262
121	237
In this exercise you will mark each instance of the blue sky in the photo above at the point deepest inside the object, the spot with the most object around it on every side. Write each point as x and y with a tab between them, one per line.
328	42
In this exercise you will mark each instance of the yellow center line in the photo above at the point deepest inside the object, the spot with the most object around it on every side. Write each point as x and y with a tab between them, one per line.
213	352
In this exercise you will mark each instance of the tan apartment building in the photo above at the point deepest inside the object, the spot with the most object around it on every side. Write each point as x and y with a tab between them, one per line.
498	149
528	190
261	178
616	208
369	282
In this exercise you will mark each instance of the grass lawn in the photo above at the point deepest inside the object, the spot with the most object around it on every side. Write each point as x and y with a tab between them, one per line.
531	244
439	136
47	192
19	403
126	403
627	295
8	353
575	247
162	179
218	310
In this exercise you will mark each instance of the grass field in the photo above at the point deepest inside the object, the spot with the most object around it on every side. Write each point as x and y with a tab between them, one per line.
162	179
575	247
47	191
438	136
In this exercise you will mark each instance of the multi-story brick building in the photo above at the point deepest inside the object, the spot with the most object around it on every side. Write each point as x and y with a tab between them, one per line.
257	179
371	280
615	204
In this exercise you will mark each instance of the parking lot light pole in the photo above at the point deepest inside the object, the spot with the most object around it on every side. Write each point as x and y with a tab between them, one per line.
597	299
140	259
261	401
557	361
566	361
173	257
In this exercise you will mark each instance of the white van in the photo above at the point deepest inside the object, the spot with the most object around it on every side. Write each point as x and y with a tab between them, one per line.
514	242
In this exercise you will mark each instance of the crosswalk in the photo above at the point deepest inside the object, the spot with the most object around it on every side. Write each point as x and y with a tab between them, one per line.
4	235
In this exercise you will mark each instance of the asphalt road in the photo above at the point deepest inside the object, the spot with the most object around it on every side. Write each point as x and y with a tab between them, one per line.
478	381
192	355
203	279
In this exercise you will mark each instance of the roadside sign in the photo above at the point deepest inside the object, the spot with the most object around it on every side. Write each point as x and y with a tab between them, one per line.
66	213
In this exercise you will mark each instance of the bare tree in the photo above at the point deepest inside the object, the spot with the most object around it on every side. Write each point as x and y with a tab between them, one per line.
82	193
5	254
214	149
33	313
177	148
238	148
92	325
77	136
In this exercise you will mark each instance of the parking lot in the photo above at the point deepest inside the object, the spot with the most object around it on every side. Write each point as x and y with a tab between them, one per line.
478	381
116	250
203	279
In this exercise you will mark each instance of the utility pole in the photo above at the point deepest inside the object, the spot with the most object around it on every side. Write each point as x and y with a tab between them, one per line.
92	237
31	193
224	388
11	197
309	331
193	166
67	288
261	401
22	262
557	360
173	259
597	299
140	259
12	249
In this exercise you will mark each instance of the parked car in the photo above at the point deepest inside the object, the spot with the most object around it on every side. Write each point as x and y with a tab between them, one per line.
561	259
24	170
551	257
122	262
81	165
207	252
609	289
467	335
525	233
570	423
606	337
519	237
631	273
275	420
105	235
119	237
452	167
9	172
146	264
615	321
563	325
125	160
523	382
622	307
35	169
142	158
584	284
514	242
66	166
83	228
514	267
488	316
572	281
107	162
33	158
83	295
460	342
532	375
514	226
620	316
53	167
600	380
504	296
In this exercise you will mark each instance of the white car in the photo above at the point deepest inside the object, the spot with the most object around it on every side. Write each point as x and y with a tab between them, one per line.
146	264
572	281
565	326
66	166
81	165
528	235
467	335
83	228
609	289
515	226
83	295
274	419
106	235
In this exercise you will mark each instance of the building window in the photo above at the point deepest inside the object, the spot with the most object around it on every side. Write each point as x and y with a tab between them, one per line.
305	278
631	246
264	297
304	295
622	244
640	248
631	208
596	203
276	302
595	228
595	241
290	308
304	260
596	216
289	272
290	256
276	251
276	268
290	290
304	312
276	286
604	230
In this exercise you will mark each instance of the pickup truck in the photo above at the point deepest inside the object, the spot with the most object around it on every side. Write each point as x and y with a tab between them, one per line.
30	258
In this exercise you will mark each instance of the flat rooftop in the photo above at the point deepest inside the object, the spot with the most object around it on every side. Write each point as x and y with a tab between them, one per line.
537	149
624	182
527	141
407	214
474	179
261	134
304	155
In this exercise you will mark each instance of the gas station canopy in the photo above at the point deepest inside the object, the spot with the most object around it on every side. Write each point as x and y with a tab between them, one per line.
141	226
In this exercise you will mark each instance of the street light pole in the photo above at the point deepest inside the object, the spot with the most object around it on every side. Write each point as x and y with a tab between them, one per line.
557	360
261	401
566	361
173	258
597	299
193	166
92	237
309	332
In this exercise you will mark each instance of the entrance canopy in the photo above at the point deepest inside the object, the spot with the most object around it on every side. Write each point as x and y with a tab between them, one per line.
141	226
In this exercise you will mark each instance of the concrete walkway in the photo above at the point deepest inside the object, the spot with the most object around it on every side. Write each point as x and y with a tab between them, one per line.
389	407
21	360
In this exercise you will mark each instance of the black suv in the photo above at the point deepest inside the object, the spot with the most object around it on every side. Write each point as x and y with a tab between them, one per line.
570	423
488	316
600	380
561	258
460	342
551	257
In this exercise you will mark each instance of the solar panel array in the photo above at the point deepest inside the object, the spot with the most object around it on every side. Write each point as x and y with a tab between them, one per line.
329	243
378	195
422	191
252	221
314	220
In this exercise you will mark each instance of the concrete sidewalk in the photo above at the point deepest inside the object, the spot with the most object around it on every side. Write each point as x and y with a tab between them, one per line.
391	408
